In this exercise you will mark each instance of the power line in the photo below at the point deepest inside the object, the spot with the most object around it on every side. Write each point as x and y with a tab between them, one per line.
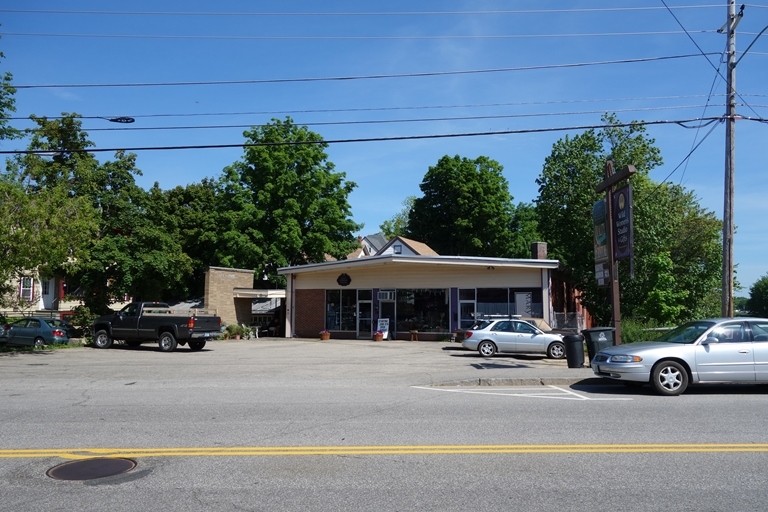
681	123
365	77
394	121
416	107
374	13
342	38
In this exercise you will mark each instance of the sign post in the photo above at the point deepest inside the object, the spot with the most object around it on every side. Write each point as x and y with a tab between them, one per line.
608	185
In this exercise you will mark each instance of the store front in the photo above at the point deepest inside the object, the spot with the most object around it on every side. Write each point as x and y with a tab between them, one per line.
429	295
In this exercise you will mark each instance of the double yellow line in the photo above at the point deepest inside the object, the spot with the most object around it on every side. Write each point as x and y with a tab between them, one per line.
282	451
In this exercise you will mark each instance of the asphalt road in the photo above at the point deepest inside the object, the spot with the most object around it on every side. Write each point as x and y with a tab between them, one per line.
355	425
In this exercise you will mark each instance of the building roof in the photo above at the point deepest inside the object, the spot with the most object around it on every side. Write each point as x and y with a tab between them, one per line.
395	259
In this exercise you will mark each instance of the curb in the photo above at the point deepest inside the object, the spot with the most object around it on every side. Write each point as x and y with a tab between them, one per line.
540	381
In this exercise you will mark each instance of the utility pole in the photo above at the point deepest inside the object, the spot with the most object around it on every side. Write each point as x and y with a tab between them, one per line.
730	159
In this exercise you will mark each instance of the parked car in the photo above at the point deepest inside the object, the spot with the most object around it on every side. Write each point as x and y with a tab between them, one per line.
70	329
512	336
732	350
33	332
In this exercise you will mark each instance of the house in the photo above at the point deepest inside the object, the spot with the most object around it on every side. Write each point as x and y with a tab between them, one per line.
31	292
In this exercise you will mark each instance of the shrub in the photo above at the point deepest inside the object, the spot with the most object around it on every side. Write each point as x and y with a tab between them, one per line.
634	330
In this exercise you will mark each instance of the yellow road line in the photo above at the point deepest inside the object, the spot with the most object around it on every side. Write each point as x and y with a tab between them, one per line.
262	451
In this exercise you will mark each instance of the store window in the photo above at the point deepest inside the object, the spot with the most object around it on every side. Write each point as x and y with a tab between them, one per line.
341	310
493	301
423	310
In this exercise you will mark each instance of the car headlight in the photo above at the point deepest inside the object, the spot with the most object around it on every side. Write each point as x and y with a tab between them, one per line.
625	359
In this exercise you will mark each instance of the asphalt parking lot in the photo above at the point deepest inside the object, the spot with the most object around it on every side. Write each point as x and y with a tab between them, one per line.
412	363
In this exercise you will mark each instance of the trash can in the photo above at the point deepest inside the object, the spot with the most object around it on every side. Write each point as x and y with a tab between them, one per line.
598	338
574	350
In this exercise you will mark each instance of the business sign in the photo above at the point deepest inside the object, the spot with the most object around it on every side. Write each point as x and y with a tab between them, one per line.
383	326
603	274
623	237
600	222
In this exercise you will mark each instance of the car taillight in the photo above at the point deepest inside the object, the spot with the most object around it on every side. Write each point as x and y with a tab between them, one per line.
467	334
191	323
58	332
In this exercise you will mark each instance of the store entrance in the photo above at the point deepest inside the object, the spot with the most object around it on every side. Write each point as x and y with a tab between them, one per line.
364	319
387	310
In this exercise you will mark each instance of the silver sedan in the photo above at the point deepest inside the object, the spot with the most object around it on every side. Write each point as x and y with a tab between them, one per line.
512	336
732	350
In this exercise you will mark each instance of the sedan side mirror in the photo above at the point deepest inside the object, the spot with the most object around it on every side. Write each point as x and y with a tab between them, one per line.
710	339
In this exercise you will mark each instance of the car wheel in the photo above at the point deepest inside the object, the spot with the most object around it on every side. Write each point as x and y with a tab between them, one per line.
39	342
556	350
102	339
486	348
669	378
167	342
196	345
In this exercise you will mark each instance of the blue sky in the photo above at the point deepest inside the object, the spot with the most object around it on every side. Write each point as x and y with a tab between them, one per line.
521	45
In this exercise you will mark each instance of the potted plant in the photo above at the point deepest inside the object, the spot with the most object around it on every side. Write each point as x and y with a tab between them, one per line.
325	334
378	336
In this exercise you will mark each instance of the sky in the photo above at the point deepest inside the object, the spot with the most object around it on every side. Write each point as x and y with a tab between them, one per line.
199	73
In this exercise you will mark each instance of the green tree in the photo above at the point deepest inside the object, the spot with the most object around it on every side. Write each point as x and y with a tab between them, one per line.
7	105
466	209
677	244
398	224
134	250
283	204
195	211
524	230
757	304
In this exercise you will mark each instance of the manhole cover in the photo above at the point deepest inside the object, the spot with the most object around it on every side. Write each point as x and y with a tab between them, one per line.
90	469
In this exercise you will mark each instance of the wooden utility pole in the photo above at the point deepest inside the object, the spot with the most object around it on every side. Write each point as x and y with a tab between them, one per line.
730	162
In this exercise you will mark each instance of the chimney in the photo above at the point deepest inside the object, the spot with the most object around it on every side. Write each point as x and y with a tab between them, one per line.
539	250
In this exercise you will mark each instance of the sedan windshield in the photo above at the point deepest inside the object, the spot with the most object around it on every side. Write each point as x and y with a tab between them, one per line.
686	333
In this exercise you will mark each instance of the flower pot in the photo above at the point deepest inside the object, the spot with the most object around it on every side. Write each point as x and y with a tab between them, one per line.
378	337
237	336
325	336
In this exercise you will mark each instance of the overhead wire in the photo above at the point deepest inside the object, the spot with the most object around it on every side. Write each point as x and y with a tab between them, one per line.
392	121
372	13
681	123
365	77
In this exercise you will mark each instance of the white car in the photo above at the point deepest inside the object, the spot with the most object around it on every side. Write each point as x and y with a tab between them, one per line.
512	336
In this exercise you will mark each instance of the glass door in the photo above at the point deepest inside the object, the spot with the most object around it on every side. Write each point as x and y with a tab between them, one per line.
364	319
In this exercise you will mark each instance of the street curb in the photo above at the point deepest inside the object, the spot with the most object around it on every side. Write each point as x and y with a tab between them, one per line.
540	381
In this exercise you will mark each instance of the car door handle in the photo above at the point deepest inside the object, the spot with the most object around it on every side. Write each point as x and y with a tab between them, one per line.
743	351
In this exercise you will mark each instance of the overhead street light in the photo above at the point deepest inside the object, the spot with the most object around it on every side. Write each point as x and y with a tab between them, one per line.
121	119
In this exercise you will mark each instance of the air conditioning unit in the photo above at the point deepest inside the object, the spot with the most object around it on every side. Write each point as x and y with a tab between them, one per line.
387	295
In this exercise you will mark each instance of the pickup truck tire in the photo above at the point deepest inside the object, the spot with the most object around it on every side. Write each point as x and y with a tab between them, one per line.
167	342
196	345
102	339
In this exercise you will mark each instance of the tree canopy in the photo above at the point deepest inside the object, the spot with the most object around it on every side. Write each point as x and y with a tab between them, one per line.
677	257
283	204
466	208
757	304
